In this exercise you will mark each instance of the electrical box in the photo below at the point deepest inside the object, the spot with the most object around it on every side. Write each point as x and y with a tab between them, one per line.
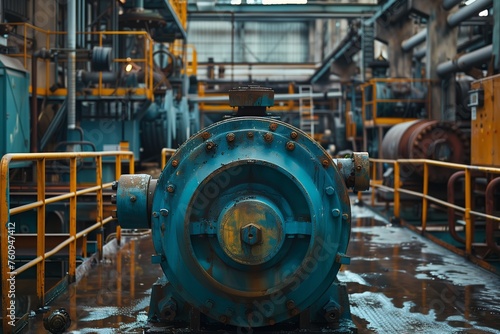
485	121
14	107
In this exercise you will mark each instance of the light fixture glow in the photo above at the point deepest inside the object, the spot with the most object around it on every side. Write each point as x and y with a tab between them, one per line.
284	2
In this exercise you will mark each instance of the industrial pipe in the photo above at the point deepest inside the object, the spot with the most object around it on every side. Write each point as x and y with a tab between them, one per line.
467	12
466	61
449	4
71	64
414	40
277	97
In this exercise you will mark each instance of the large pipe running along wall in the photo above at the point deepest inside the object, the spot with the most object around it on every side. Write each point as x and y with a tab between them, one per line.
71	64
466	61
453	20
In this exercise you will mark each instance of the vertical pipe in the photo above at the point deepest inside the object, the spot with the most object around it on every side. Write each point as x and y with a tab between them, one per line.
71	63
34	104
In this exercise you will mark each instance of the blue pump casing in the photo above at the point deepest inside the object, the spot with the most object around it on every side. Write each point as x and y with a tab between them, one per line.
250	221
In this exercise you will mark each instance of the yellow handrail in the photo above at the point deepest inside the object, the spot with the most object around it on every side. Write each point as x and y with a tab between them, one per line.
7	235
166	152
467	209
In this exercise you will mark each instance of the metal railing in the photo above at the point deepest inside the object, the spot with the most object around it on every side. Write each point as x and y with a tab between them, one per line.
166	154
47	39
424	195
7	234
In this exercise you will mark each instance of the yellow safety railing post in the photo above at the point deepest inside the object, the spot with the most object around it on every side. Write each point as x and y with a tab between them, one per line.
99	201
424	198
4	238
40	246
72	220
468	222
396	189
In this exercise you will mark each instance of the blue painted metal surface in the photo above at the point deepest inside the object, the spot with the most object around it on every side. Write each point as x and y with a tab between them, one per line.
14	108
251	222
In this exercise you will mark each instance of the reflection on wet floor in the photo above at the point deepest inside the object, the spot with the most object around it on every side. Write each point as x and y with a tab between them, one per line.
398	282
113	296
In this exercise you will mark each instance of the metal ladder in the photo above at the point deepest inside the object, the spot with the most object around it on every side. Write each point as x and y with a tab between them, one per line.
306	109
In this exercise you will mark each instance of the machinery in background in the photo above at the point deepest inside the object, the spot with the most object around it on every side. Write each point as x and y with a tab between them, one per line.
250	221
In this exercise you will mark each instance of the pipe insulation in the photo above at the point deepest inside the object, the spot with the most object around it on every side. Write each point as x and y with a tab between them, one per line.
466	61
467	12
71	64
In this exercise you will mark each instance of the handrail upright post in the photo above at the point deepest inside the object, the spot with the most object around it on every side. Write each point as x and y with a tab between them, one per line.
424	198
72	220
396	189
4	237
99	205
40	245
468	222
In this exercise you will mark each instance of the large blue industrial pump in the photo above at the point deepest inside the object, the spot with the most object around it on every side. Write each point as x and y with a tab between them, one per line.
250	221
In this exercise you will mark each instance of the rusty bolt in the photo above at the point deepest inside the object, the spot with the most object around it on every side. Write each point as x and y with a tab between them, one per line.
290	146
210	145
268	137
133	198
345	216
175	163
273	126
294	135
170	188
230	137
290	304
164	212
250	135
205	135
325	163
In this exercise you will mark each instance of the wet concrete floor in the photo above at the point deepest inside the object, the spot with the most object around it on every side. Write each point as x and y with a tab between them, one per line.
398	282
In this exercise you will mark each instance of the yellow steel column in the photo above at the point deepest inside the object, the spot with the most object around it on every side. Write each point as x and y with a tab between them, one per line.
424	198
40	245
72	220
4	237
98	178
468	223
396	189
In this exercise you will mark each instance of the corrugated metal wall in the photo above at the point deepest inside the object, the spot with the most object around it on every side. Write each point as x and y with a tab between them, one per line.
254	42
